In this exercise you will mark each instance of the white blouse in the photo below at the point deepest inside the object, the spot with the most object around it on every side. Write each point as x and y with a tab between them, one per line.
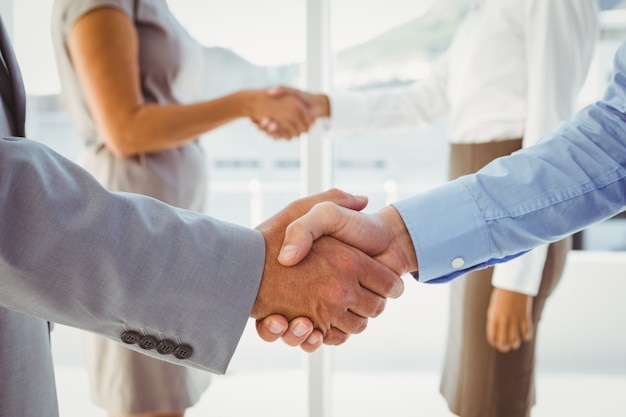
514	69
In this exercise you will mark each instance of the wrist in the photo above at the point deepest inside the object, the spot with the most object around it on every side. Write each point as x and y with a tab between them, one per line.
321	105
260	308
401	243
249	103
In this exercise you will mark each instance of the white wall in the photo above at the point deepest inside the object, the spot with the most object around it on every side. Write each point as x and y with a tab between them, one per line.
584	320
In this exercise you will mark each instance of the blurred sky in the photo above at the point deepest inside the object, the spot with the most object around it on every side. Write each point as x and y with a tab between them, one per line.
264	32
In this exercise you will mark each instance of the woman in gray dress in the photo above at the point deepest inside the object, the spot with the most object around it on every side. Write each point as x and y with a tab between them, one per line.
124	65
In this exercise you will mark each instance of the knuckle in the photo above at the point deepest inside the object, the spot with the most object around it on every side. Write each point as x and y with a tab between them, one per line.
360	326
335	193
325	208
379	308
389	285
398	287
335	338
385	283
295	228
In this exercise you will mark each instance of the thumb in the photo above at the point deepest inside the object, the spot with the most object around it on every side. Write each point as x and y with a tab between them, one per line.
324	218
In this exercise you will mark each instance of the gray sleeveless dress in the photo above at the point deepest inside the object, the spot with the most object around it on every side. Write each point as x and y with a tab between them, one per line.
123	381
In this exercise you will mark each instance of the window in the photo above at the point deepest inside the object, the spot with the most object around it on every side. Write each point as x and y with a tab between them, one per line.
388	45
252	44
381	47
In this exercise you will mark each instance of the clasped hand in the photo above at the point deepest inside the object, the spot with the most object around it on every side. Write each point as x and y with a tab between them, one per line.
336	267
289	112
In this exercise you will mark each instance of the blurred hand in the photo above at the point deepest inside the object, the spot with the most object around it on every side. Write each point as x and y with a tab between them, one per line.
282	116
337	286
509	319
316	104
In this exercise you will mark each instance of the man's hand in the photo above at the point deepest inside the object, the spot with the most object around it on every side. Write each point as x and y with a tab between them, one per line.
382	235
509	321
337	286
298	332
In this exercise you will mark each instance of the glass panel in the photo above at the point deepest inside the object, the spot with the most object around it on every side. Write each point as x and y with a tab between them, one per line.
251	175
400	355
251	44
386	45
46	120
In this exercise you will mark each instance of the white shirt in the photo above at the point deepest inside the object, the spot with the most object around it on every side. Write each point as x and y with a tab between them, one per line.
571	179
514	69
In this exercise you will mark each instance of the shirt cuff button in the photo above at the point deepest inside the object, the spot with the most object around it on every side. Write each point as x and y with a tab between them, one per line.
457	263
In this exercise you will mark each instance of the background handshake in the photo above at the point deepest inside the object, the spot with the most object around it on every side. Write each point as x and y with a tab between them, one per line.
296	117
328	268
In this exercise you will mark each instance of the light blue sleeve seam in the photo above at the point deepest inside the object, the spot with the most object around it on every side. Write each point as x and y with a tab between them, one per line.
600	183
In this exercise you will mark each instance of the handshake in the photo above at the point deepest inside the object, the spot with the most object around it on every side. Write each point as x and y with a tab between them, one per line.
328	268
285	112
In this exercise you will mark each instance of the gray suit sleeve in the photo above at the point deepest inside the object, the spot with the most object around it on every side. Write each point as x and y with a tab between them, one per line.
71	252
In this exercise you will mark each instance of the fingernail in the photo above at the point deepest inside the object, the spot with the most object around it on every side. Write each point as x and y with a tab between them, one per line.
313	339
299	330
274	327
287	252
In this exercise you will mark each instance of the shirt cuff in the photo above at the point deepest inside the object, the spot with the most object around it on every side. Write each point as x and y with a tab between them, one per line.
449	234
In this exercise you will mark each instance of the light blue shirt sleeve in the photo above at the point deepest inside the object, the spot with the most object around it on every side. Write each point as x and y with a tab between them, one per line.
573	178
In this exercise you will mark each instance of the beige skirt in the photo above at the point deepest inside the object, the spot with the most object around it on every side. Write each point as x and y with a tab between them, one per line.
124	381
478	380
